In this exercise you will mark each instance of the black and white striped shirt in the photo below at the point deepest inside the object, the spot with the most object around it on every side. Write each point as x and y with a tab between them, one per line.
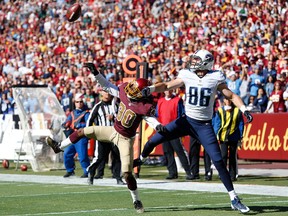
99	112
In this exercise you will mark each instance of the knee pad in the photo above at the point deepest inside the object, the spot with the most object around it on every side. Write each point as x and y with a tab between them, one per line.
130	180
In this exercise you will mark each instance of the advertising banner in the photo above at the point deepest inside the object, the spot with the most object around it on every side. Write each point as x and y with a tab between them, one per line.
266	138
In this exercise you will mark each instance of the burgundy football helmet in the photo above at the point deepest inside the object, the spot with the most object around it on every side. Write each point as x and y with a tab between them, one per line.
134	88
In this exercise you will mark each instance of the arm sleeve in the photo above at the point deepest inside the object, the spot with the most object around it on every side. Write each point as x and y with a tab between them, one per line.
181	108
107	86
151	121
263	101
255	102
156	112
217	124
241	125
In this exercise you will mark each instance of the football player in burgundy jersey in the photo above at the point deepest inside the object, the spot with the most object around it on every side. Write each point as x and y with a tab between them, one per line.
201	84
133	108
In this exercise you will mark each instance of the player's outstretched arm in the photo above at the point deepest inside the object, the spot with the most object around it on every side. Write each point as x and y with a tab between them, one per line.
163	86
236	100
92	68
106	85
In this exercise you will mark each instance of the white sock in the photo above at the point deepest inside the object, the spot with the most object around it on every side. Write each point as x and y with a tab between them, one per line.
141	158
134	195
65	143
232	194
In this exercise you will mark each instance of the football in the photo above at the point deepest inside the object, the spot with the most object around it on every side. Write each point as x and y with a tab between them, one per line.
74	12
24	167
5	164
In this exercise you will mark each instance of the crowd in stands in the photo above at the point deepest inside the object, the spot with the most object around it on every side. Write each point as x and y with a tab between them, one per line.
249	40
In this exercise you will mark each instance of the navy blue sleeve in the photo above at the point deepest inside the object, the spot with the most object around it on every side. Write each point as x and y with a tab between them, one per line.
181	108
241	125
217	123
156	112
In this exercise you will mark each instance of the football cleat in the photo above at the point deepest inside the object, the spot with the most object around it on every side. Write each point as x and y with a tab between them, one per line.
190	177
90	179
85	175
68	174
138	206
91	173
170	177
53	144
120	181
237	205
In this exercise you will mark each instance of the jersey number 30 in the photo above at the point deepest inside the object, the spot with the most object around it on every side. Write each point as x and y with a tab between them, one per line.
125	116
199	100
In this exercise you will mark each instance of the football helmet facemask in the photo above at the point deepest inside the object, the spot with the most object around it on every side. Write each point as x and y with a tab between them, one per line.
134	88
201	60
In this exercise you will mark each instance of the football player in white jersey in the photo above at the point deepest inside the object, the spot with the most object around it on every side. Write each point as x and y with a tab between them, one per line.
201	83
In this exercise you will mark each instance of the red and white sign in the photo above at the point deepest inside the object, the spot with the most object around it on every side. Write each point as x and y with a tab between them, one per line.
266	138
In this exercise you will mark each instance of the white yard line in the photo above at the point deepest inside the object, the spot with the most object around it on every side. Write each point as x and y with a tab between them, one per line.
152	184
147	208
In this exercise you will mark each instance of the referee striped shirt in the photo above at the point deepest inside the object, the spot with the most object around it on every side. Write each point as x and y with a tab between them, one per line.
99	112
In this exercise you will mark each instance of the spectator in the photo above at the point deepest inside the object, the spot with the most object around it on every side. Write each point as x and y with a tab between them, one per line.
76	120
251	103
243	12
233	83
261	100
244	88
269	86
89	98
66	100
256	34
256	81
269	71
276	99
7	106
285	97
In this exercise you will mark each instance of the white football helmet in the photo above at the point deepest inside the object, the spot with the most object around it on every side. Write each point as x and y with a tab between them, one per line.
201	60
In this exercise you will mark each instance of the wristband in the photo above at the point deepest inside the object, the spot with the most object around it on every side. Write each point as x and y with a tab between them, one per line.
243	108
152	88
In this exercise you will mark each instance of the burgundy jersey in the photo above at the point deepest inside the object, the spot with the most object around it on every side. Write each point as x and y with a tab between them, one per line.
130	113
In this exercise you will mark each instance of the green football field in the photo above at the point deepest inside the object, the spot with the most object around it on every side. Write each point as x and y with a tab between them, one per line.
29	198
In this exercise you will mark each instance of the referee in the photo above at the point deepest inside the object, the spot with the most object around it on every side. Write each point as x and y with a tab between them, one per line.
103	114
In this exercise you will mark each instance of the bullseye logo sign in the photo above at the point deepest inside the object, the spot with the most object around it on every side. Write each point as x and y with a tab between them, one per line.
130	64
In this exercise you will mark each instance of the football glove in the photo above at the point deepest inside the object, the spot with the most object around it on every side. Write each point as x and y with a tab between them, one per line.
146	92
92	68
248	116
161	129
137	162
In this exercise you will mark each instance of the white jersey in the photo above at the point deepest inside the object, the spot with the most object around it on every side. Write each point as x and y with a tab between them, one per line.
200	92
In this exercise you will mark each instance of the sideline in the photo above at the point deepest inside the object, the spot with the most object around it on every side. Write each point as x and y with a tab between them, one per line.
152	184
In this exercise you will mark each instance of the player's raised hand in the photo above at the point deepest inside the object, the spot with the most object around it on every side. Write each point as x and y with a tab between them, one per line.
248	116
161	129
92	68
146	92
